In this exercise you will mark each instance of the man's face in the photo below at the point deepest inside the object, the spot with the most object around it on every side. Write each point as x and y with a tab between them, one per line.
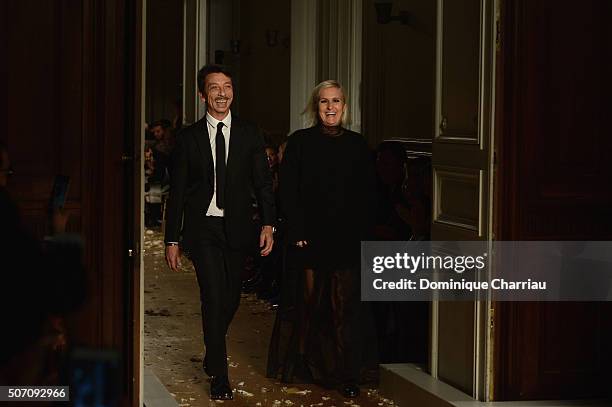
272	157
158	133
218	95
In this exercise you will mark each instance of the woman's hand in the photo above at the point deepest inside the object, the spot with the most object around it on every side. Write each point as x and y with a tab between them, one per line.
301	243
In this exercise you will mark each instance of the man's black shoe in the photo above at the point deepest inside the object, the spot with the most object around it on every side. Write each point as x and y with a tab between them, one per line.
350	390
220	388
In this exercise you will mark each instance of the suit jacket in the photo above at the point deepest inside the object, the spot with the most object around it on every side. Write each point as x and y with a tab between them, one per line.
192	184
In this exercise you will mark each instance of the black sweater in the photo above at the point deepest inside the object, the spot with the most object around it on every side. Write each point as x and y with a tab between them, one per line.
327	193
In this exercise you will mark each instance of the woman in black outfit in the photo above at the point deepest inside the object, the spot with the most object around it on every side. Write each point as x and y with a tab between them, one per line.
327	187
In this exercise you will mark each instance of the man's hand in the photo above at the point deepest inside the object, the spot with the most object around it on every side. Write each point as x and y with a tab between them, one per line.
173	257
266	240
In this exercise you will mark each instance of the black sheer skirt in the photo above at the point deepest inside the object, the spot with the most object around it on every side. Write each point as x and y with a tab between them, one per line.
323	333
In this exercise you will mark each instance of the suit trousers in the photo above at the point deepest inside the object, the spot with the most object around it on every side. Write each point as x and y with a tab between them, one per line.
219	271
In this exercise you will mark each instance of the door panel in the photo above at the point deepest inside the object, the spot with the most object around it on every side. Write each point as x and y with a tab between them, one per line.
461	168
399	74
456	344
460	73
458	191
66	107
555	176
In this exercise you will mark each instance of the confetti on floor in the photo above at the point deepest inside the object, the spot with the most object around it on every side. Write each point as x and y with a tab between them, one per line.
173	344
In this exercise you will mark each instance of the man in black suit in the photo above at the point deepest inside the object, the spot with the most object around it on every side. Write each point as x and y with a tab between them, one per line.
217	164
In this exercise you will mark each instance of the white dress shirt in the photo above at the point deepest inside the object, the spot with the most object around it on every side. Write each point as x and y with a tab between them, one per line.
213	209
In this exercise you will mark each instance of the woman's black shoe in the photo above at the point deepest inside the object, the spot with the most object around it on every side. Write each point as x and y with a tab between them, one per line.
220	388
350	390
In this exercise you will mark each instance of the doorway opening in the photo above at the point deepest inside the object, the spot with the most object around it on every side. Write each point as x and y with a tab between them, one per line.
255	41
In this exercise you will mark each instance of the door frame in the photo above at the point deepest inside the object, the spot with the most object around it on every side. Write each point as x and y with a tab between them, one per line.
136	231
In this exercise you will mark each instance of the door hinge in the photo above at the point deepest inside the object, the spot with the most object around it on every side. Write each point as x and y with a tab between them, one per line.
133	252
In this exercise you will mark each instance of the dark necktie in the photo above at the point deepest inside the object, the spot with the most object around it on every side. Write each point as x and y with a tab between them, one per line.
220	164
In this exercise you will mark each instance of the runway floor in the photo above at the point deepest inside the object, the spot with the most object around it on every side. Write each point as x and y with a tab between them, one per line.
173	344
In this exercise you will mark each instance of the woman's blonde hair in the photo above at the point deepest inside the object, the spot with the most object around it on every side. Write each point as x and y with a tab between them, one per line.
312	108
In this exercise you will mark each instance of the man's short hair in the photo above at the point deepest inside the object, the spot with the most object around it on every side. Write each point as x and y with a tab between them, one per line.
164	123
207	70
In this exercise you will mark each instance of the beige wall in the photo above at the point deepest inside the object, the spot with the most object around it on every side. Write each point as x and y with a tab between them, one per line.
264	70
399	73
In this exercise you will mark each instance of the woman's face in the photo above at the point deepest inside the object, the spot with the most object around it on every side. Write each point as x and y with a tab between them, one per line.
272	157
331	106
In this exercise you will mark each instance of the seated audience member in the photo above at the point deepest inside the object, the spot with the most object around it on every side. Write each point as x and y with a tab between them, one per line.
164	137
158	168
416	193
403	214
391	173
148	135
177	122
408	342
265	273
271	265
281	151
149	163
272	155
161	148
152	188
40	285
